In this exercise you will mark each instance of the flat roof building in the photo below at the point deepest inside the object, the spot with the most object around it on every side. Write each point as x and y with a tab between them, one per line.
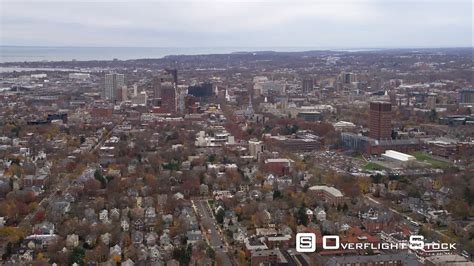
398	156
329	194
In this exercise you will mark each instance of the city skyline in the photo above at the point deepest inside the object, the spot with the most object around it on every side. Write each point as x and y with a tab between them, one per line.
236	132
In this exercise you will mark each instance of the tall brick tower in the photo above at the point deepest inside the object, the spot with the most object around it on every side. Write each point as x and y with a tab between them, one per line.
380	120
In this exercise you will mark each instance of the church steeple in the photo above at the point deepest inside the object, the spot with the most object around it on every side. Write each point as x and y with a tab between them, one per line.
249	112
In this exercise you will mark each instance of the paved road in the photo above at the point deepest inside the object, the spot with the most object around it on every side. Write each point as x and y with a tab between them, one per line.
214	236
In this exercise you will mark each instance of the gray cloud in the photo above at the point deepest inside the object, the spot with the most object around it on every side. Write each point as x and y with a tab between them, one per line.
316	24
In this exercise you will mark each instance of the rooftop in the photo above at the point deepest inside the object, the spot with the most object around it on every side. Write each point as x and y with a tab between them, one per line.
398	156
333	191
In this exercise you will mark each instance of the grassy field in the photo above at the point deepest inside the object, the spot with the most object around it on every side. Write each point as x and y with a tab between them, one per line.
372	166
424	157
360	157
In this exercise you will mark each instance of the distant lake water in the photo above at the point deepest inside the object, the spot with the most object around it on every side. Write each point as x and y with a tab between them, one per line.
36	53
30	53
21	69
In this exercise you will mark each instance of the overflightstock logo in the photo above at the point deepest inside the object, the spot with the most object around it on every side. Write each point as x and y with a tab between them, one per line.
306	242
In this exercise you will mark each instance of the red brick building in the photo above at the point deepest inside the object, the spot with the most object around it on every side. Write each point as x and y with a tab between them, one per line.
34	180
101	112
330	195
380	120
279	167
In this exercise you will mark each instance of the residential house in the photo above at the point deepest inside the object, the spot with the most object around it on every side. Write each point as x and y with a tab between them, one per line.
128	262
114	214
72	241
138	224
309	214
104	216
137	238
90	215
44	228
240	234
151	238
155	255
125	225
105	238
61	207
115	251
165	239
320	214
193	236
167	219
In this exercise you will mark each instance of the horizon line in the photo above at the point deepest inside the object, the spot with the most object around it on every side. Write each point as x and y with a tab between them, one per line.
312	48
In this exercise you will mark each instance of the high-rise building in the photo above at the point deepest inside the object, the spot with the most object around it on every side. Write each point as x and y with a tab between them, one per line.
174	74
380	120
113	82
168	97
202	90
121	94
466	96
308	85
167	75
347	77
156	87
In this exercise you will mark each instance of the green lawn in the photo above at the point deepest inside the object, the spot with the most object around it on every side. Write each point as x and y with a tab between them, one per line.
211	202
424	157
372	166
360	157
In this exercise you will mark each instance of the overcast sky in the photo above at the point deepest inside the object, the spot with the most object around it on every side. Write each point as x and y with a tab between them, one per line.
213	23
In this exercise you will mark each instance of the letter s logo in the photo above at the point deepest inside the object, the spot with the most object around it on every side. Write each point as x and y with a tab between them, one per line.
416	242
305	242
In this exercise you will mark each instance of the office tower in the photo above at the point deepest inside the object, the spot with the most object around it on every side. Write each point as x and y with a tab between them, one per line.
347	77
308	85
467	96
203	90
180	98
174	75
156	87
121	94
113	82
380	120
168	97
167	75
